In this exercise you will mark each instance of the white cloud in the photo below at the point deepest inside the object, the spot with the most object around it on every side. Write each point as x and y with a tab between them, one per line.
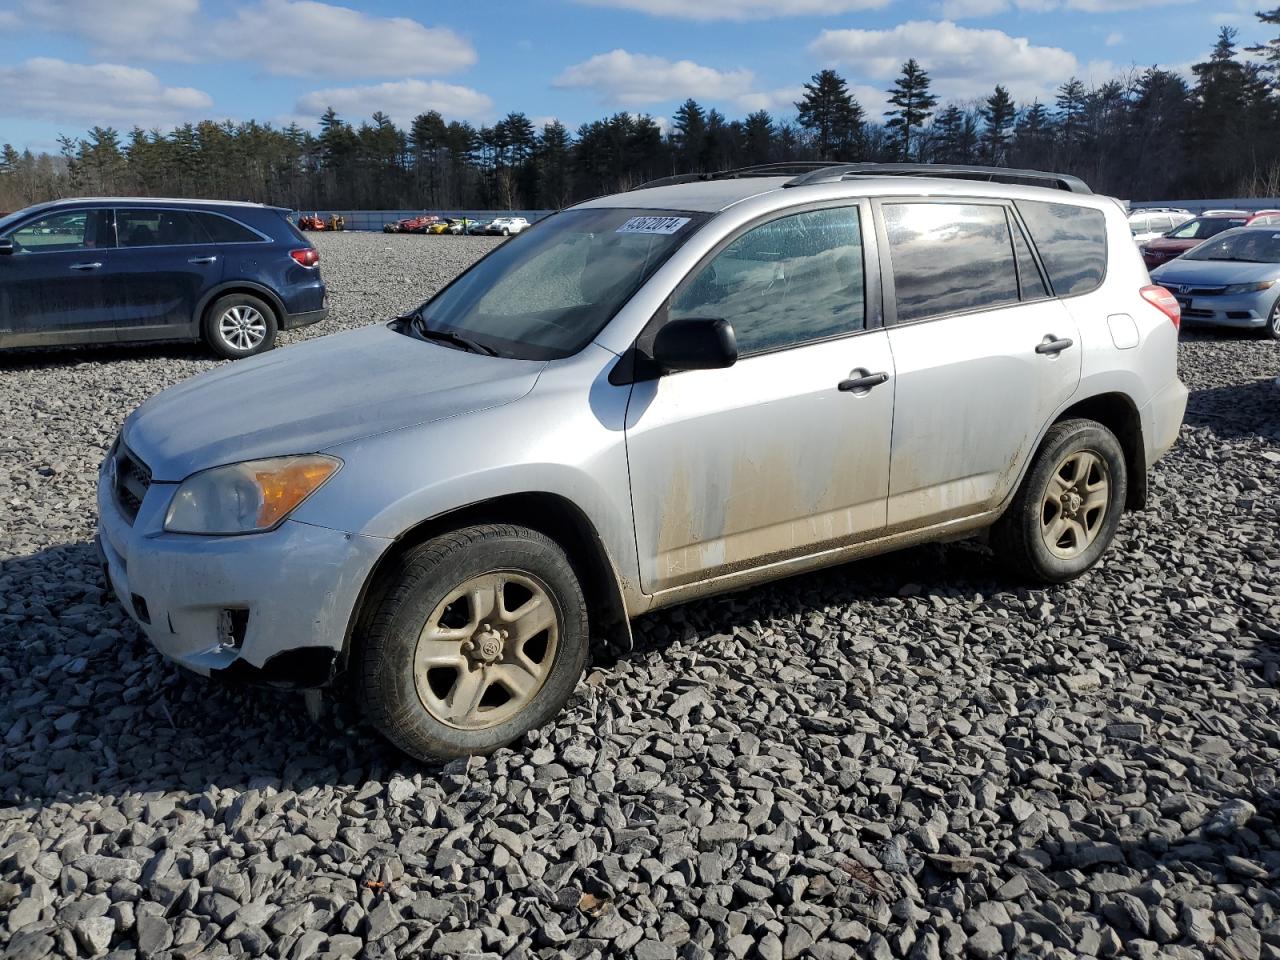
959	9
740	9
963	62
635	79
780	101
160	29
108	94
624	79
402	100
1114	39
291	37
304	37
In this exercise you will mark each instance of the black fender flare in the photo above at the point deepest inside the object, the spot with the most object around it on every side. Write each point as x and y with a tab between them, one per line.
239	286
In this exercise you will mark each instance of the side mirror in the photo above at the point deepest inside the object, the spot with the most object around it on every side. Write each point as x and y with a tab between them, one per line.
695	344
6	246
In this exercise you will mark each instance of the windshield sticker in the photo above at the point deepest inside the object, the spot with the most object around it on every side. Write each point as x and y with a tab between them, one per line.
653	225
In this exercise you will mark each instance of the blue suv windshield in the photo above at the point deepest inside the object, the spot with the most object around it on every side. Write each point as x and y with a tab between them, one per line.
547	292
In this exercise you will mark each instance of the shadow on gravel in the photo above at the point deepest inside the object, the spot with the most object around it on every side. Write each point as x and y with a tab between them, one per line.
87	708
1239	410
52	357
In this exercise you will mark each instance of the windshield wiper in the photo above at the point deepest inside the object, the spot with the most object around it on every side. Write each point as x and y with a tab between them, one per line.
419	324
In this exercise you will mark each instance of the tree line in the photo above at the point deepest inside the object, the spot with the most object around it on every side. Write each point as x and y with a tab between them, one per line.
1147	135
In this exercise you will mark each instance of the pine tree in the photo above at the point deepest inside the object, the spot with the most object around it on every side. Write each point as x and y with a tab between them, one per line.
913	104
757	137
831	114
998	111
1070	105
553	166
689	135
1269	50
948	130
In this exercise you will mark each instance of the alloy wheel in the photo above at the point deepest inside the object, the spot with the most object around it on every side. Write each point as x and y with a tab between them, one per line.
1074	508
242	327
486	650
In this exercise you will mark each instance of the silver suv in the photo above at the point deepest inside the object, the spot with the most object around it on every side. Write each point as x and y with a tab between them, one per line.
654	396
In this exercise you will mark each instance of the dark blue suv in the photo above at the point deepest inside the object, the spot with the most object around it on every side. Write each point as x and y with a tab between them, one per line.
115	270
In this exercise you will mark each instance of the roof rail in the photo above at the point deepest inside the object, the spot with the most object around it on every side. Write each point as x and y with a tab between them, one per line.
1027	178
780	169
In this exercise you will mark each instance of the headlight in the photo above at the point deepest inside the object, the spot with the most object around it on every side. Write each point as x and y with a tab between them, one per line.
1236	288
247	497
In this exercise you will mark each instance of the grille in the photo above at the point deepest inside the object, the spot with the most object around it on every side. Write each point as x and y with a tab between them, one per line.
1190	290
1197	314
133	478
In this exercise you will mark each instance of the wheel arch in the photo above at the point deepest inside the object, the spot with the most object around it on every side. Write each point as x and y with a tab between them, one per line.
249	287
550	514
1117	412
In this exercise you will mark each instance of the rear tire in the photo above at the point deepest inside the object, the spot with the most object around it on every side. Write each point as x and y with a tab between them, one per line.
480	637
240	325
1068	508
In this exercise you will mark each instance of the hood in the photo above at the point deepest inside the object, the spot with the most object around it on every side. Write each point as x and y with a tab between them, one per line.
1213	273
308	397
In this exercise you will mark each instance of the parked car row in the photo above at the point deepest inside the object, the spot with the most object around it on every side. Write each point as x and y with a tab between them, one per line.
455	226
114	270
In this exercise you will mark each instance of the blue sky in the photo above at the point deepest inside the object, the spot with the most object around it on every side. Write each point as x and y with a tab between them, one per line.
68	64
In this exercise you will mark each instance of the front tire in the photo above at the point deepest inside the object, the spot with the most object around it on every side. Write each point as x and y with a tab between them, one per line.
240	325
1272	330
1068	508
481	637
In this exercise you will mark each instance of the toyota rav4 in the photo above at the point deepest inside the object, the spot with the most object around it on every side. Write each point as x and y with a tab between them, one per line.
684	389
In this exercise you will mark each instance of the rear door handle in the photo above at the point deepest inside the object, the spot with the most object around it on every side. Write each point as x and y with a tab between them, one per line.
863	382
96	265
202	260
1053	346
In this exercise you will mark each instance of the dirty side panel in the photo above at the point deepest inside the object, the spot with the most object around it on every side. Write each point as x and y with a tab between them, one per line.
764	460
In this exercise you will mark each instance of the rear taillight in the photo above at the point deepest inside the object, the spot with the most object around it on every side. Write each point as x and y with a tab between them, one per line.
307	256
1164	301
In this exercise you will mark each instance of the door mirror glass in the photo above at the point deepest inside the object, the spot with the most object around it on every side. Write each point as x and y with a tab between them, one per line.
6	246
695	344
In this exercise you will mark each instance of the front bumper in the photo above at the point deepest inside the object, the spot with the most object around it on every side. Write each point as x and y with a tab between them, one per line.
233	604
1247	311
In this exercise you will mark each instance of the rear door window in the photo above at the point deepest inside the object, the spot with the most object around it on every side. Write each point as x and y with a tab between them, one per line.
949	258
1072	242
157	228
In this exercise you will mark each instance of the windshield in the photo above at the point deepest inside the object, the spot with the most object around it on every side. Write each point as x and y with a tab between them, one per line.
1248	246
1203	229
546	293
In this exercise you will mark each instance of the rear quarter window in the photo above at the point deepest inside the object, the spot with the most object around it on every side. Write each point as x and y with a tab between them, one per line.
1072	242
225	230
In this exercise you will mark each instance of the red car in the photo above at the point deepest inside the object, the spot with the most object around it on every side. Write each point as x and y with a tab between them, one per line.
1190	234
1264	218
412	224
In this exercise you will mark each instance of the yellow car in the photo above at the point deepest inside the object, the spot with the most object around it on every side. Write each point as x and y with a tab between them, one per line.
445	226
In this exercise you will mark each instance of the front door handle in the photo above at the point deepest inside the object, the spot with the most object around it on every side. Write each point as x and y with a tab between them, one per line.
1053	346
863	382
202	259
96	265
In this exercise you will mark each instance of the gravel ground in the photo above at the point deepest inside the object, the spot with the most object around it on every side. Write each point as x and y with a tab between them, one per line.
904	757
